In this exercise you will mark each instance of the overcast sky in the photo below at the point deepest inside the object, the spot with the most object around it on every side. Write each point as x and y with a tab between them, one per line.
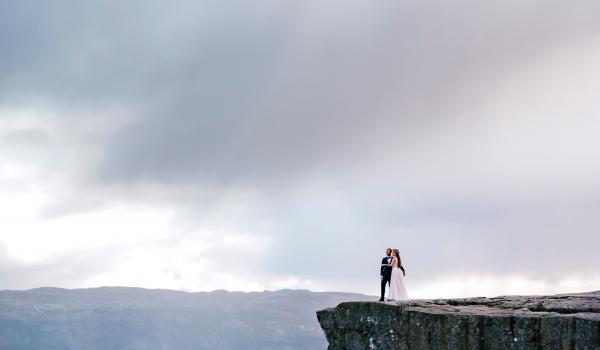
252	145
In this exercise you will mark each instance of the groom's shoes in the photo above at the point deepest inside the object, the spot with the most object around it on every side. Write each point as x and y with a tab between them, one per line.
381	300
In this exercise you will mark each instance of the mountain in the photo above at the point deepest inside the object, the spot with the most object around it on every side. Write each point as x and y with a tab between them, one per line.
124	318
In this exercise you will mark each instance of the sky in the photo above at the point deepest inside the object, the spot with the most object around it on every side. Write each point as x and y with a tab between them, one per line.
203	145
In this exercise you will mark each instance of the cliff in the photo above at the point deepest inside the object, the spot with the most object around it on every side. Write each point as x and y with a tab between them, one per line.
567	321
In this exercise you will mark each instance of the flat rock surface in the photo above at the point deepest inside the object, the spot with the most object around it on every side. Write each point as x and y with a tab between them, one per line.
565	321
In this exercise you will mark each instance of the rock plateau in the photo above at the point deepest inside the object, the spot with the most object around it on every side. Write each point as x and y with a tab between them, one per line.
566	321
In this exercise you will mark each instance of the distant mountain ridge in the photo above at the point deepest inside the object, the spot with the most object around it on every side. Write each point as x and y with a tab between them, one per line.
129	318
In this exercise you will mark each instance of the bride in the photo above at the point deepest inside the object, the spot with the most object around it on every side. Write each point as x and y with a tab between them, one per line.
397	288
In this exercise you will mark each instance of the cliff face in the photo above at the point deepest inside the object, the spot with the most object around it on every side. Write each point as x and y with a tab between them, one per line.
567	321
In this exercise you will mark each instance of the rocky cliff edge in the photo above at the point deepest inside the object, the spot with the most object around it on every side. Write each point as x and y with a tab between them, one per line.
565	321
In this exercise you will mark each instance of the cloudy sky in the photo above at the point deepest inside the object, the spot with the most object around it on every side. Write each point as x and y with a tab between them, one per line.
269	144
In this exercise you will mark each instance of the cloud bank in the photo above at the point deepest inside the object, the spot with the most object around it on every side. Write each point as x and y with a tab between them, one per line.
202	145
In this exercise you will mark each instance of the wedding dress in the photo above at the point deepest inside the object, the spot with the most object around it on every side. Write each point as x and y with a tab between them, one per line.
397	288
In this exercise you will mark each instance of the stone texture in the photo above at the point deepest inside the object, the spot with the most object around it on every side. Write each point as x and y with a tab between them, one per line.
566	321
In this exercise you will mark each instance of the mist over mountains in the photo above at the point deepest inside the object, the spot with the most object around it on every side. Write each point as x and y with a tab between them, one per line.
128	318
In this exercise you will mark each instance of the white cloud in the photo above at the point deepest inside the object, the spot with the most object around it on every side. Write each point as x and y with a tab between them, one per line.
30	239
465	285
293	282
199	261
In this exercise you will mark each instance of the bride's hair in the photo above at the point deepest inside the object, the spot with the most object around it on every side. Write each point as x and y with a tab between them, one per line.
398	256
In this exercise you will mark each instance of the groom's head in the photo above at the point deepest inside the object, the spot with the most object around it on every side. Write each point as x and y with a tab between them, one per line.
388	251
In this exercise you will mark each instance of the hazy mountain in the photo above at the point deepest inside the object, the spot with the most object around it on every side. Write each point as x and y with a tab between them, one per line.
126	318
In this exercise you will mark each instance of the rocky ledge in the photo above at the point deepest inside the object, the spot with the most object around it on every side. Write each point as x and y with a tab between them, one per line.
565	321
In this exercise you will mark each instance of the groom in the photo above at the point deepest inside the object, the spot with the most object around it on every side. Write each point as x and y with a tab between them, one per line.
386	272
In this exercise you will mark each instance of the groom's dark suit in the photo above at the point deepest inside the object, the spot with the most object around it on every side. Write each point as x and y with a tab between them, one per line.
386	275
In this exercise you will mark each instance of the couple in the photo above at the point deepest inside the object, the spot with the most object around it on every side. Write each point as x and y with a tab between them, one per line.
392	273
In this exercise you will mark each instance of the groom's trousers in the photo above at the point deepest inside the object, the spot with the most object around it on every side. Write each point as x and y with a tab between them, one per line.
385	279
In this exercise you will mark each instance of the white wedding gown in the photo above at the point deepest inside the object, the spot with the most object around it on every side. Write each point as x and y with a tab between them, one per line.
397	288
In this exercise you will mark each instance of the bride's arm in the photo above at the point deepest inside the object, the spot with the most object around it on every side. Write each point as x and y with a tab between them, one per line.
392	263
